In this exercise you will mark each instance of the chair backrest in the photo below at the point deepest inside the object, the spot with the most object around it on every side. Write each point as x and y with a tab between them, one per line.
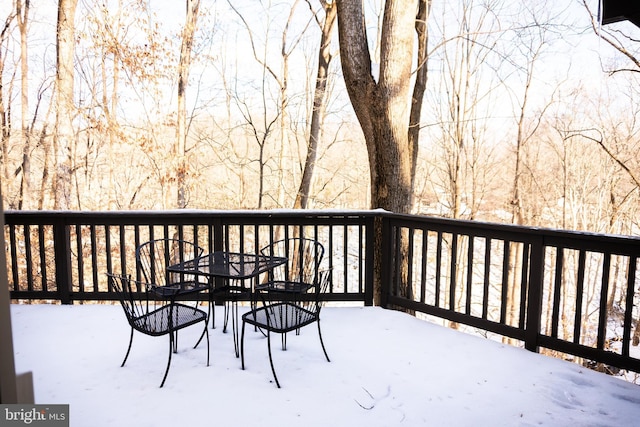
156	255
133	305
304	258
321	286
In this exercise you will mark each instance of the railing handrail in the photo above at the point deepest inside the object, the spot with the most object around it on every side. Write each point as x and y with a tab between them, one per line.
524	230
186	215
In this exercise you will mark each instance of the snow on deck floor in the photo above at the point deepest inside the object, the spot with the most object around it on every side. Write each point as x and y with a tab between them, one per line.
387	369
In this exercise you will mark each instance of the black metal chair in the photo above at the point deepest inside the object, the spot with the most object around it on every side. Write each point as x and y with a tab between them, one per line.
299	273
295	310
150	317
156	255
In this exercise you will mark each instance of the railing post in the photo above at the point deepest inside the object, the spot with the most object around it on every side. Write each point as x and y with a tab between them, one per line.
218	245
218	235
62	249
534	298
382	281
372	251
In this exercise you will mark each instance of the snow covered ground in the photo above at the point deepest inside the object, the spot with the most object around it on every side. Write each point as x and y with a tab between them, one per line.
387	369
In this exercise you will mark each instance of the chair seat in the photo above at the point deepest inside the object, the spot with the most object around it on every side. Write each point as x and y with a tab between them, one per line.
284	286
156	322
280	317
232	290
181	288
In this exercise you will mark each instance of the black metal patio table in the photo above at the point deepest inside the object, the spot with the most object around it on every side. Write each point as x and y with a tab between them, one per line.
228	273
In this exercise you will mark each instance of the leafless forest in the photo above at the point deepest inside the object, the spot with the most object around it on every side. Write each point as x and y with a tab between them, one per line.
528	116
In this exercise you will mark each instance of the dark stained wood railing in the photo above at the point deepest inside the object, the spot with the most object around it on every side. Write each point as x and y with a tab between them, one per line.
571	294
63	256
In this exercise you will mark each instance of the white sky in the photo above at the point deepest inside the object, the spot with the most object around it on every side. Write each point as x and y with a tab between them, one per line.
387	369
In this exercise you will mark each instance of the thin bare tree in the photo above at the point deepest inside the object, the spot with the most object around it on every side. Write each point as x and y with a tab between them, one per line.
184	64
319	101
277	70
5	106
22	14
64	134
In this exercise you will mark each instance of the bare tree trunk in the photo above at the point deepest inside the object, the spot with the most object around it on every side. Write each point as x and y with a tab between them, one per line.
514	286
46	145
110	107
517	210
64	135
319	104
188	32
22	13
5	116
381	107
283	82
420	85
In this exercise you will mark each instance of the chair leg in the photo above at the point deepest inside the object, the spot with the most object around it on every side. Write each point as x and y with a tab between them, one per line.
322	342
212	307
166	372
202	336
126	356
206	323
242	346
273	369
208	347
226	316
234	325
205	331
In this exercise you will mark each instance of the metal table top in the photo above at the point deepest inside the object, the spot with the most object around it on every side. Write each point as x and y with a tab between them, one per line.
229	265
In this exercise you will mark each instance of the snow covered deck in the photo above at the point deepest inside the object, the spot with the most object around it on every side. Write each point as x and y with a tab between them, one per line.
387	368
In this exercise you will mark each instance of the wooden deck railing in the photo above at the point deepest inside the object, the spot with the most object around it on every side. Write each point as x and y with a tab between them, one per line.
63	255
572	294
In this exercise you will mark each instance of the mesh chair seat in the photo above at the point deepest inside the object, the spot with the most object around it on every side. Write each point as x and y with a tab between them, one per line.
168	318
280	317
284	286
181	288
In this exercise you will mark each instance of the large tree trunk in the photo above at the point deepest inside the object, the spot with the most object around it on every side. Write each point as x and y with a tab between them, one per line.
389	117
64	100
382	107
